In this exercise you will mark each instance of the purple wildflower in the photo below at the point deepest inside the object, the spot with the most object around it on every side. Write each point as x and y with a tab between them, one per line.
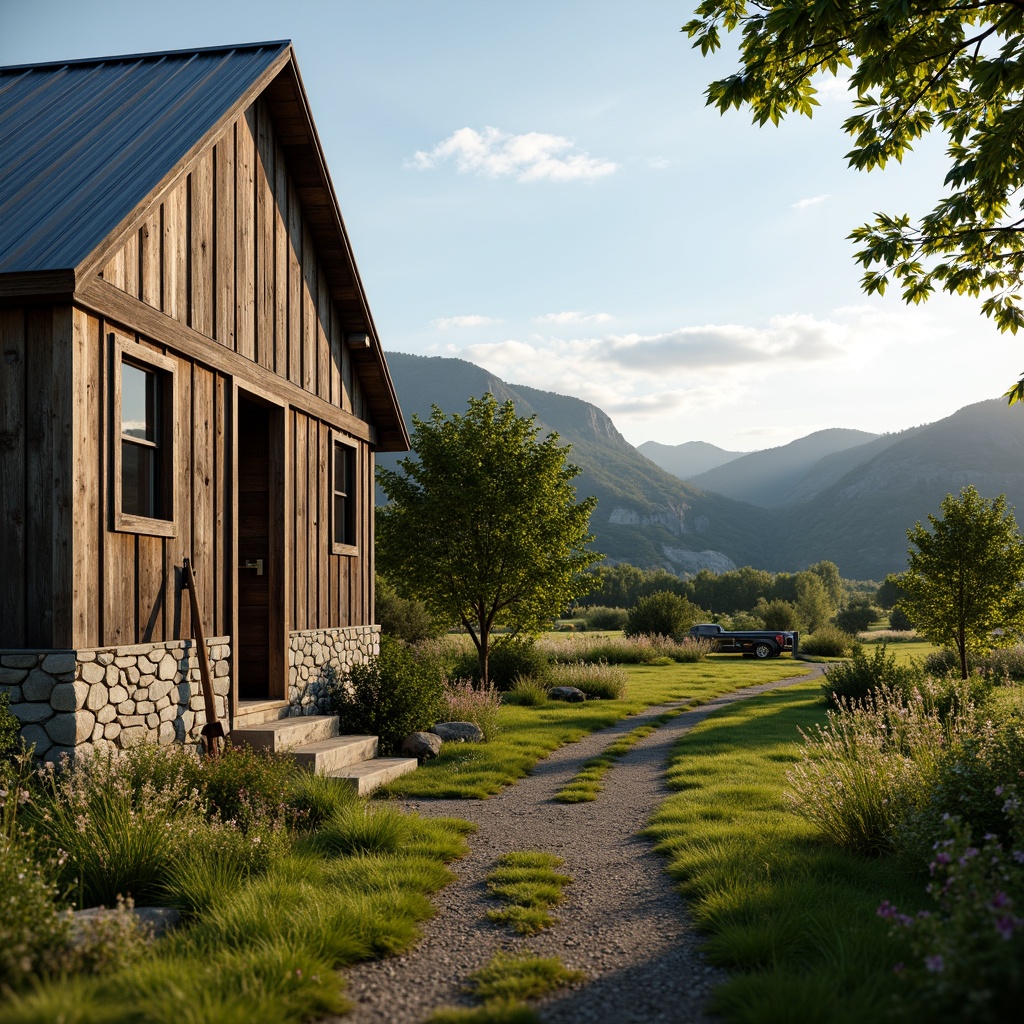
935	963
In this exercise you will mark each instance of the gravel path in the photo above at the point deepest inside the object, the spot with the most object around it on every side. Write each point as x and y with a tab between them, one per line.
621	922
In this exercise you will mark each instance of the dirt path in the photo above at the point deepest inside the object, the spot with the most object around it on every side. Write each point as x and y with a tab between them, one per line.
621	923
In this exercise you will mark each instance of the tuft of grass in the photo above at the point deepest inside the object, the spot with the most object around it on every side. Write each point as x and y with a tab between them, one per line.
585	786
526	692
522	975
362	828
598	680
493	1013
529	885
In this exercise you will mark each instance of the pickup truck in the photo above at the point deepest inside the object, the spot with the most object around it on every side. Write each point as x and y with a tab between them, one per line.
761	643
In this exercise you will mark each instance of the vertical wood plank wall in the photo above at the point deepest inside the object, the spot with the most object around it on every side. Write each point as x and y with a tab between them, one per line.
229	253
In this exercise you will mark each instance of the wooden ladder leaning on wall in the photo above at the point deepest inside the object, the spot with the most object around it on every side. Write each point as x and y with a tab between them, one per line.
213	732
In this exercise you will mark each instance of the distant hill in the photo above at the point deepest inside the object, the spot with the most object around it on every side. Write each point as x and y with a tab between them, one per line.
851	495
688	459
644	516
860	520
768	478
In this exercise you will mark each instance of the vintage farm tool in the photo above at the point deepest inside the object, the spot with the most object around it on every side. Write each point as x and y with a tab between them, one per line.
213	731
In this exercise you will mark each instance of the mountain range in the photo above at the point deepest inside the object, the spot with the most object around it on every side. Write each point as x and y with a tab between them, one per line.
844	495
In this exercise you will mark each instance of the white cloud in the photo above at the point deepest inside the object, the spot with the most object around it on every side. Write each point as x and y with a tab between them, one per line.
533	156
797	337
658	163
802	204
473	320
833	87
573	317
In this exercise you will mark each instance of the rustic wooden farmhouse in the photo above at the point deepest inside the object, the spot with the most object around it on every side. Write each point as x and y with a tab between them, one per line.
188	370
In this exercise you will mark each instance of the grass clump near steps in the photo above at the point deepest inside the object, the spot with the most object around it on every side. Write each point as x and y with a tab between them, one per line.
587	784
273	901
792	917
529	885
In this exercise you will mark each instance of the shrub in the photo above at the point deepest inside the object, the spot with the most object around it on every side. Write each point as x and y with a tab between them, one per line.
863	674
250	787
966	951
900	620
401	617
511	657
600	617
464	702
390	696
1002	663
828	642
778	614
861	774
662	614
32	930
599	681
526	691
858	615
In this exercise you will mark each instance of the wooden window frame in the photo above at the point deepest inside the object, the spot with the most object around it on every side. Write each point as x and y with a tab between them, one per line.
352	494
124	350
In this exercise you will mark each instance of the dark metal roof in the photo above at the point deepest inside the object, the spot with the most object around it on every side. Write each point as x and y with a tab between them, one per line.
82	143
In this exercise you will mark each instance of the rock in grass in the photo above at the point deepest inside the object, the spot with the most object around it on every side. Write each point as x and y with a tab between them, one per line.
459	732
421	745
569	693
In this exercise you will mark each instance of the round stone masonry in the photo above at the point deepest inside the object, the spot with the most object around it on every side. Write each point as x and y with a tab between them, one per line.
111	697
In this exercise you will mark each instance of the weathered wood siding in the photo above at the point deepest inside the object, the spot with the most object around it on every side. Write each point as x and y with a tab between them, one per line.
228	252
36	486
327	589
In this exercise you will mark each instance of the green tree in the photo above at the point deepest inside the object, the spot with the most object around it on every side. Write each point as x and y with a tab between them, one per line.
663	614
484	522
964	576
814	606
935	65
889	593
778	614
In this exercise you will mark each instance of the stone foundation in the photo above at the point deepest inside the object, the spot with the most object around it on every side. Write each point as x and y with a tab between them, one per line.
113	697
319	657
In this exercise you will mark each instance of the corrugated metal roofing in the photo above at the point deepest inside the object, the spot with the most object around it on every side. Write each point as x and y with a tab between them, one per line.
82	143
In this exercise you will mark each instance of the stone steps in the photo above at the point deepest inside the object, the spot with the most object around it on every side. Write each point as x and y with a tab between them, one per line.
314	742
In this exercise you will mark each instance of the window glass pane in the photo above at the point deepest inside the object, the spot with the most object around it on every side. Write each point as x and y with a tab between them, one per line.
340	468
139	480
341	534
138	402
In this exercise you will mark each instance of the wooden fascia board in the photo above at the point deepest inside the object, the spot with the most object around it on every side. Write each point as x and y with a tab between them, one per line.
110	302
36	285
97	259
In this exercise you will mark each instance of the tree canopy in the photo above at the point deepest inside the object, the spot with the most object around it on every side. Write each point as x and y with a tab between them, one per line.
963	584
955	66
483	525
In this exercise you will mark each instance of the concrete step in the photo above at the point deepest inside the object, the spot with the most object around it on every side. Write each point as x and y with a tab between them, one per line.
327	756
366	776
287	733
256	712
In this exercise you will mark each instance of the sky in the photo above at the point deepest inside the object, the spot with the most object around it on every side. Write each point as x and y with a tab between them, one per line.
539	187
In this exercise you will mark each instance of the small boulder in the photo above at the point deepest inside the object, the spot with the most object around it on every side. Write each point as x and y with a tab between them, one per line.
569	693
421	745
459	732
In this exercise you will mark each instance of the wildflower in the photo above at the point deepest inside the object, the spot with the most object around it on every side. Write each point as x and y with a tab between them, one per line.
886	910
934	963
1007	925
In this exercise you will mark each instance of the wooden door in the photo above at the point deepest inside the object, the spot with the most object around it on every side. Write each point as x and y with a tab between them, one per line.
260	637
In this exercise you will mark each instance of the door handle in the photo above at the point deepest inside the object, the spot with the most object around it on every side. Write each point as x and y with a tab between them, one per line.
253	563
